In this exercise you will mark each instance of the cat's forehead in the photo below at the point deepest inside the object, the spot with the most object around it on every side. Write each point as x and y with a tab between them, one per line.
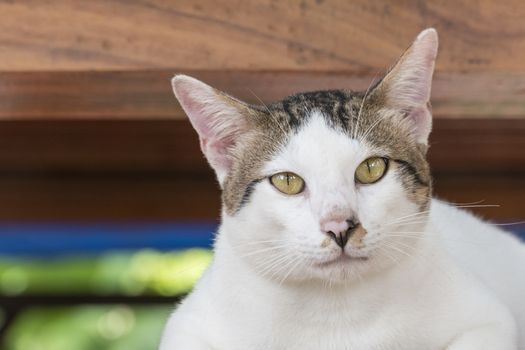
337	106
317	146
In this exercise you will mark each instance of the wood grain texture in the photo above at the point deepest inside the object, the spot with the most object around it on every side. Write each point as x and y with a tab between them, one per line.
147	95
357	36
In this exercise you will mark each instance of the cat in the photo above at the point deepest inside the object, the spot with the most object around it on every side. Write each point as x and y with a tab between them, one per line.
330	238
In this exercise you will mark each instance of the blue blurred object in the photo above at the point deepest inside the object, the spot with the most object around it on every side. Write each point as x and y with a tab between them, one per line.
44	239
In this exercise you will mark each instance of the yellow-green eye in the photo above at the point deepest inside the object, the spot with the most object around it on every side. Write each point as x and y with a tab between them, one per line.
371	170
288	183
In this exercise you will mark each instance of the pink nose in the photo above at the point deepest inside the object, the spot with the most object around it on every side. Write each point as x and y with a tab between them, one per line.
335	226
339	230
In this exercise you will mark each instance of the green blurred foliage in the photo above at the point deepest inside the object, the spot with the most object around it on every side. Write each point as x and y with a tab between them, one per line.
89	327
97	327
137	273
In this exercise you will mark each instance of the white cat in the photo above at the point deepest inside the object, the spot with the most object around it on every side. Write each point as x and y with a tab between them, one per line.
329	236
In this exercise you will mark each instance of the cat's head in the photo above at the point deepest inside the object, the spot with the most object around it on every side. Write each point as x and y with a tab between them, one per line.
327	185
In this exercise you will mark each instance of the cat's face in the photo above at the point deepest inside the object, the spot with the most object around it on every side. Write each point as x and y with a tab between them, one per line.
287	230
328	186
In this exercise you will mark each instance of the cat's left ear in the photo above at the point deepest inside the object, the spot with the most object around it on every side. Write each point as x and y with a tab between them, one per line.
219	119
406	87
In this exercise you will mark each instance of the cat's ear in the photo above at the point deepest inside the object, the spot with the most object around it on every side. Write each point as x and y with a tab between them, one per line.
406	86
217	117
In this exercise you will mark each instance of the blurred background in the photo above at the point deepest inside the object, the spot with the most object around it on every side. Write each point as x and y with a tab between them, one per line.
108	208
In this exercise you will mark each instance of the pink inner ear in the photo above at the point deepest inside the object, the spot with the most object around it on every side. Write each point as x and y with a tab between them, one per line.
216	152
194	110
409	83
217	122
422	123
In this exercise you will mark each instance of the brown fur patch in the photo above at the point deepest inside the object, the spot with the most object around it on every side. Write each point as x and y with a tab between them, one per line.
357	236
326	242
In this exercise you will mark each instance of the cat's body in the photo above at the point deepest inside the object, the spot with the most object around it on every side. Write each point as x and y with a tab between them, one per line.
332	259
232	308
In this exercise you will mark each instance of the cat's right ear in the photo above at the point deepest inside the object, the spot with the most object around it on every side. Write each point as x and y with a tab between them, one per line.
407	85
218	118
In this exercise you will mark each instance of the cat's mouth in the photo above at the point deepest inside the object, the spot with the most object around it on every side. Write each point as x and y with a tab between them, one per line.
342	259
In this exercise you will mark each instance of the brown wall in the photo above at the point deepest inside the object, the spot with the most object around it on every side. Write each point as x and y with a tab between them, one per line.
89	128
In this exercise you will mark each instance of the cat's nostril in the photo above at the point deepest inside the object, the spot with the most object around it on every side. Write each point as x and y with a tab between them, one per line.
340	231
351	224
341	238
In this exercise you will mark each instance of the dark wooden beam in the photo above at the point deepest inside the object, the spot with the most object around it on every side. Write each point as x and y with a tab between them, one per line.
135	197
163	146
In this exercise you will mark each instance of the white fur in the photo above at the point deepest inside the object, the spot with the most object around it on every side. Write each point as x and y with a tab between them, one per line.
443	281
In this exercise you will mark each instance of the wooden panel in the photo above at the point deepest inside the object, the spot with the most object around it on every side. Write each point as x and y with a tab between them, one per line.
478	146
147	94
108	197
99	147
157	146
357	36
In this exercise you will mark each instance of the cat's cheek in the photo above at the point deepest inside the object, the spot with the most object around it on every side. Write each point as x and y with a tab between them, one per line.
274	214
300	226
382	202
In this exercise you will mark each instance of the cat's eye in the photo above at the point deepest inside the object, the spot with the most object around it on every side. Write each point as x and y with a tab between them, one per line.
287	183
371	170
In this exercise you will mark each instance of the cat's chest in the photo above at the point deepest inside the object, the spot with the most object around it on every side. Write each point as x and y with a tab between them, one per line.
276	328
383	335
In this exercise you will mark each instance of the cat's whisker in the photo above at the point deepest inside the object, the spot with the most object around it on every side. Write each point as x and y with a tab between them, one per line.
263	250
391	245
279	262
297	262
416	220
478	206
409	247
510	223
447	202
273	260
400	219
269	112
474	204
270	266
247	244
356	128
388	255
429	236
281	267
408	232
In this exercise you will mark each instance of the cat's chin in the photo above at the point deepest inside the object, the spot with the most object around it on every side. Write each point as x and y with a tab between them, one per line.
341	261
343	268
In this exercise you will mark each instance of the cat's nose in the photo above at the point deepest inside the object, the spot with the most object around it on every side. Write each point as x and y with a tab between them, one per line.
339	230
